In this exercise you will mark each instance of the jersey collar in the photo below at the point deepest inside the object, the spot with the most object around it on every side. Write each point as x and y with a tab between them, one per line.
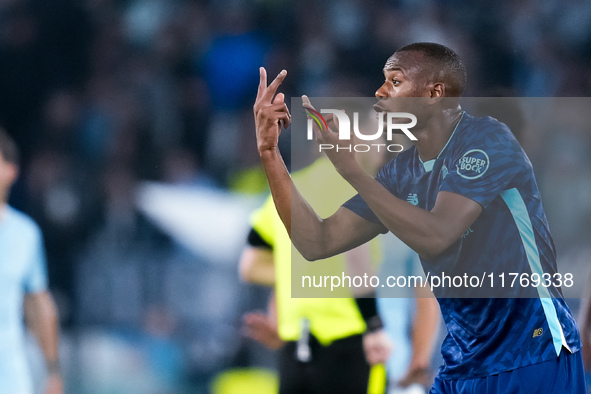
429	164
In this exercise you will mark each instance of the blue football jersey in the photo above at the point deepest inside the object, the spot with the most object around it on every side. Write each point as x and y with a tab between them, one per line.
484	162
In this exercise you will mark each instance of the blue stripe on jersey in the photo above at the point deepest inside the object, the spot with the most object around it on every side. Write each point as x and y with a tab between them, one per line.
519	212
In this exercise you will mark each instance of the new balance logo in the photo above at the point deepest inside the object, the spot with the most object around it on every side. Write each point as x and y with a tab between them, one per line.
413	198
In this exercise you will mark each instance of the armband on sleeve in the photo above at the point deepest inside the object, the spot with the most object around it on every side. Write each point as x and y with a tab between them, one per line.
369	311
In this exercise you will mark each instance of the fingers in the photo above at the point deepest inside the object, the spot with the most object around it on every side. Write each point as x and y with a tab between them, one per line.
308	107
280	99
262	83
254	316
266	98
276	113
259	327
266	93
284	120
254	322
263	78
312	113
306	102
377	356
377	347
332	122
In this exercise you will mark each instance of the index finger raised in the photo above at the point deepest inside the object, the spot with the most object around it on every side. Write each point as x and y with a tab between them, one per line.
262	82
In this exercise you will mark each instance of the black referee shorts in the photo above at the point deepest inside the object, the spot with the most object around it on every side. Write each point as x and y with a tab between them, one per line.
339	368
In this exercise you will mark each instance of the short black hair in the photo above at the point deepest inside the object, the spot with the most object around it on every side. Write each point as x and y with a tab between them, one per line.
446	64
8	148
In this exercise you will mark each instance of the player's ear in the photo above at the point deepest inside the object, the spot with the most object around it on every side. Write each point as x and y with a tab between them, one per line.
437	92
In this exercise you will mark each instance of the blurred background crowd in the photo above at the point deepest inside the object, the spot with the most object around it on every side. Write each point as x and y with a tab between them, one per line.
104	95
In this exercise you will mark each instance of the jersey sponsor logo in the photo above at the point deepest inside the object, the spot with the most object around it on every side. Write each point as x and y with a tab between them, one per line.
538	332
413	198
473	164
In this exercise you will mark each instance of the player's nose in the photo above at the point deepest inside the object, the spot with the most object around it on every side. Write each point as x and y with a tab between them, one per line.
382	92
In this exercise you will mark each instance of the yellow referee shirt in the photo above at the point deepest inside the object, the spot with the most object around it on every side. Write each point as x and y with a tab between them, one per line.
330	318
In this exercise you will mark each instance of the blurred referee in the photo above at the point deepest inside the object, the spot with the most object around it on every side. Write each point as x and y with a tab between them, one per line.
320	340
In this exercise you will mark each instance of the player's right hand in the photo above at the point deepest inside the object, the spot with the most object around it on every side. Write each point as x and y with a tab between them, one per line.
270	112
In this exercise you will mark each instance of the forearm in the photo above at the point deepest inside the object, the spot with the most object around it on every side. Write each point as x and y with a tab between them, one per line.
41	316
422	230
585	318
425	327
306	232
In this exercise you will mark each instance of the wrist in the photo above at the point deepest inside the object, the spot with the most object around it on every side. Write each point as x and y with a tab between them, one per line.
353	173
53	367
418	363
266	153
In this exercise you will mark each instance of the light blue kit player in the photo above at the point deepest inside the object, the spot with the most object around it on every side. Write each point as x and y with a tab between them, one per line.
464	197
23	291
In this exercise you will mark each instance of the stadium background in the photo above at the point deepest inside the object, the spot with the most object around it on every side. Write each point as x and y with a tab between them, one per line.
104	96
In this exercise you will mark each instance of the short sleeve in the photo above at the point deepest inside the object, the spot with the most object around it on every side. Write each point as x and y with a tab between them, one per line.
486	164
262	221
385	177
35	279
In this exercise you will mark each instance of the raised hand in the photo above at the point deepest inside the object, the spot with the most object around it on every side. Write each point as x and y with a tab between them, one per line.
342	154
270	112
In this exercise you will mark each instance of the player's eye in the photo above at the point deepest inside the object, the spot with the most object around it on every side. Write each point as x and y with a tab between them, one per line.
395	81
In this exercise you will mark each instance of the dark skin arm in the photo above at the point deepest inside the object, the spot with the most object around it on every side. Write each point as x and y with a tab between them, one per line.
41	317
313	236
427	232
585	325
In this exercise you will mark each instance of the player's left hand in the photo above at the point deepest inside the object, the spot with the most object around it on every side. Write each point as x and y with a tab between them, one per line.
377	347
343	158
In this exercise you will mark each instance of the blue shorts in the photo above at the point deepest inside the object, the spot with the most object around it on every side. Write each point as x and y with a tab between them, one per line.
561	375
